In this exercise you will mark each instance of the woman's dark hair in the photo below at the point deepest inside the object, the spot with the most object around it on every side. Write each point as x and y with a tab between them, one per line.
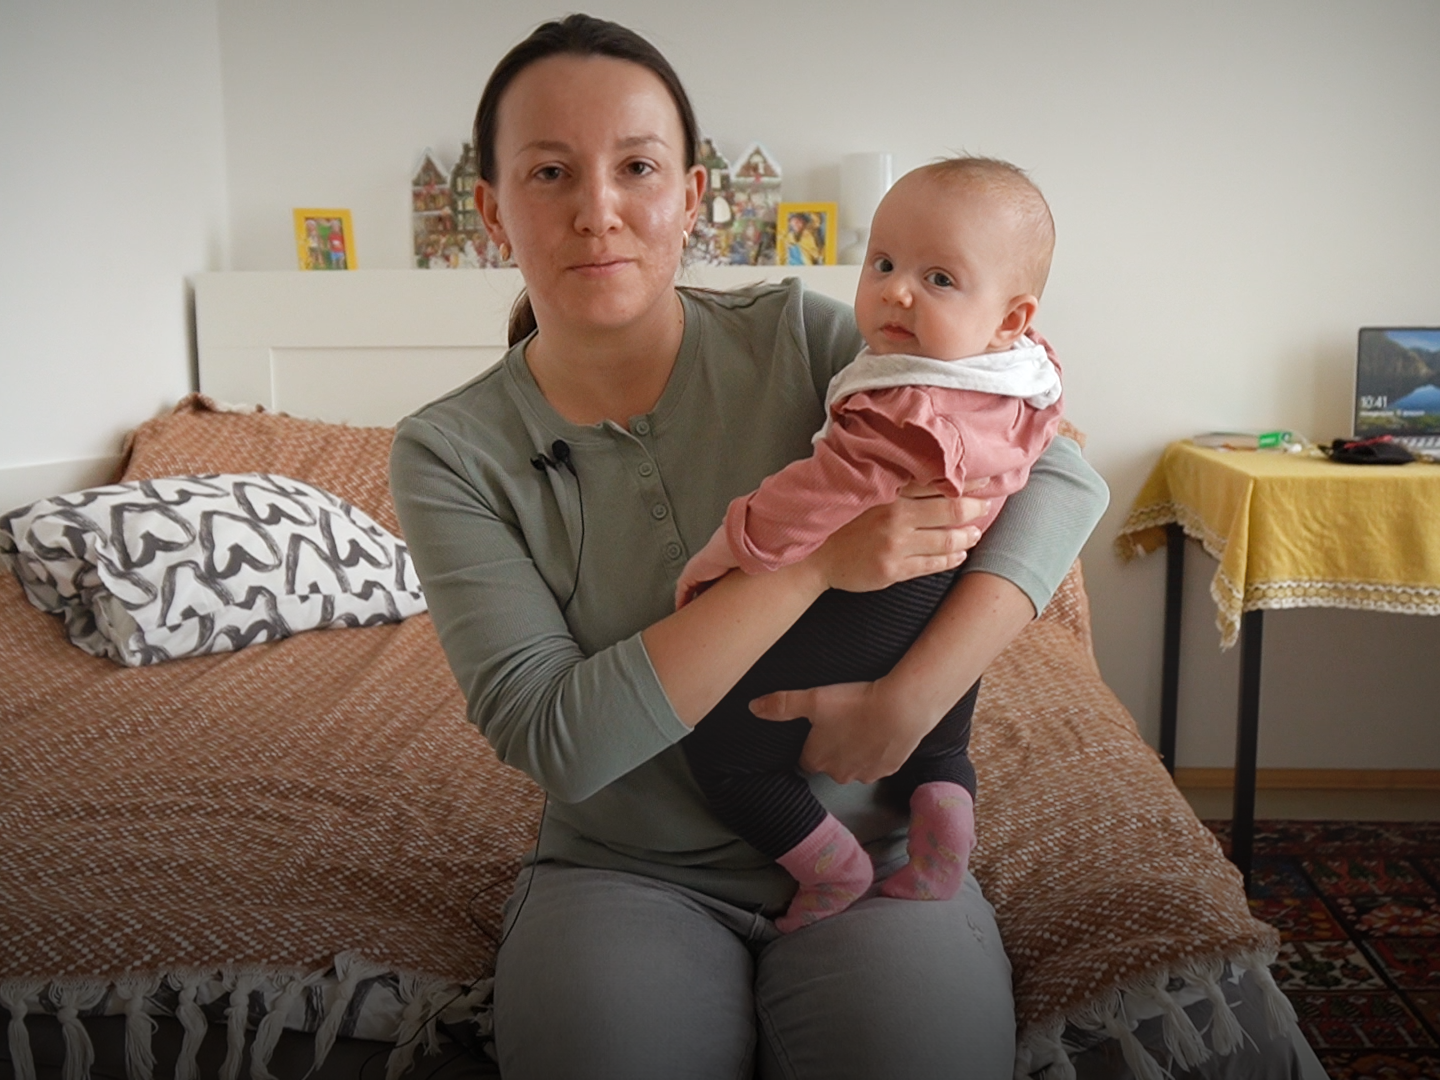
574	35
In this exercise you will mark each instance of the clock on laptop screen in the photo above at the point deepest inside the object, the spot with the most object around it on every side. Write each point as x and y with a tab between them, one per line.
1397	384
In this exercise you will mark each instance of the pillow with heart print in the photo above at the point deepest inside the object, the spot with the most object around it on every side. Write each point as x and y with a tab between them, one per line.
153	570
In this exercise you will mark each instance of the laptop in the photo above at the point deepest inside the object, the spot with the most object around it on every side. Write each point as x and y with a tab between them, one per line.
1397	386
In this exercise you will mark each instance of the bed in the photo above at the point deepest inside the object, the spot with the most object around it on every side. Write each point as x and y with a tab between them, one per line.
290	858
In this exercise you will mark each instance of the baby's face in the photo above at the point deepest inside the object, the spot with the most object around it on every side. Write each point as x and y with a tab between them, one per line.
939	273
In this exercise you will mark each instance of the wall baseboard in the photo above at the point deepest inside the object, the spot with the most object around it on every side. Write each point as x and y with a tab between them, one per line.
1316	779
21	485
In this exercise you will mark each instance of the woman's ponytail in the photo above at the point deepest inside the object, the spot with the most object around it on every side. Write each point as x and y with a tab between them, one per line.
522	319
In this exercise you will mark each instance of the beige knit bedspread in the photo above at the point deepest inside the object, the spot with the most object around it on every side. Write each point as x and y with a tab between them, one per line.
272	808
1101	875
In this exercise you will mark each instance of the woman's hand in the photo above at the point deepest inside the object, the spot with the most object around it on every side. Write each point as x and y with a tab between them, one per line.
922	532
865	731
858	731
706	566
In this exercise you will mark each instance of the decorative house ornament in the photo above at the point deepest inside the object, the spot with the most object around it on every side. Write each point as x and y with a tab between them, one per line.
711	243
324	239
469	229
432	211
736	223
448	230
755	183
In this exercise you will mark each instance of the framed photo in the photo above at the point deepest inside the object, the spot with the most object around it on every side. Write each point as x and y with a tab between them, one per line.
325	239
805	234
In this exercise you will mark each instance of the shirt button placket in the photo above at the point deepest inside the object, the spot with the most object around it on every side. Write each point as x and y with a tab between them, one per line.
659	512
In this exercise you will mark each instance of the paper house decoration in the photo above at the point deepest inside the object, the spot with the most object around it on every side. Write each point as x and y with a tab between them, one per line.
755	185
432	211
711	244
469	244
462	192
449	232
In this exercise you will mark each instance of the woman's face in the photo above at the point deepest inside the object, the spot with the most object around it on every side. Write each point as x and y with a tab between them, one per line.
591	190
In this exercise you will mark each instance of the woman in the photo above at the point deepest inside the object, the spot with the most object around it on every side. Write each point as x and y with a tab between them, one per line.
550	505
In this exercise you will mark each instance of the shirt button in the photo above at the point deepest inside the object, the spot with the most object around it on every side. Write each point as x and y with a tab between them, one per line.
659	511
672	551
646	468
642	427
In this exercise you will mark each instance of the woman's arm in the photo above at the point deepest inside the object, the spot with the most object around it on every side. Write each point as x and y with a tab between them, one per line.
572	722
701	651
576	722
1043	526
865	731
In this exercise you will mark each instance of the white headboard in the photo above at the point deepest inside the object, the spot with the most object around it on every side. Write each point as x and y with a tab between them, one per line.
370	346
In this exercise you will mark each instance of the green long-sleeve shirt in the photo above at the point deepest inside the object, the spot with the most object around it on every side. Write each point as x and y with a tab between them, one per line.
561	684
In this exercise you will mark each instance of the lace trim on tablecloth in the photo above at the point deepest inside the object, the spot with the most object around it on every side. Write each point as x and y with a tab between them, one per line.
1232	601
1129	545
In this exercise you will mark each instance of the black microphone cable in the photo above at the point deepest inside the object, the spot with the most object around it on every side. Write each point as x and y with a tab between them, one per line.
560	450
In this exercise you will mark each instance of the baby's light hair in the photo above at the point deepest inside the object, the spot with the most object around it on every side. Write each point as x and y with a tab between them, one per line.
1010	184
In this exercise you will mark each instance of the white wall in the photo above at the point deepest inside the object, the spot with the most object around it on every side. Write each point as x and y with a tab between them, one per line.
1238	187
111	191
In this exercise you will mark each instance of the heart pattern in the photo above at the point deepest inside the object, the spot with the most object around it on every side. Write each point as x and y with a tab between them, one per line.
154	570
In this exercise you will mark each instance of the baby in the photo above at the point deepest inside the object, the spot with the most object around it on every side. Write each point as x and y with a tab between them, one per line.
949	390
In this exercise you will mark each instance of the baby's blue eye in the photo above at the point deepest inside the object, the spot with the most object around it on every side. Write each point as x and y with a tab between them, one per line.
940	279
883	264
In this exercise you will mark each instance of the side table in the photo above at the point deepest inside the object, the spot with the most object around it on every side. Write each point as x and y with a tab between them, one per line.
1288	531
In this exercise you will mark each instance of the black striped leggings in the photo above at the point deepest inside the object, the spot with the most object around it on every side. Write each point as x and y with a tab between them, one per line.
747	766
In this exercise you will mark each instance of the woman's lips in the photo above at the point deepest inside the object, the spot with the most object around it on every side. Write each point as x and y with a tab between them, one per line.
602	267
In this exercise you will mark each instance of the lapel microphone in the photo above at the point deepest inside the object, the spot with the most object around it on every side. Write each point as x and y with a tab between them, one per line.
561	449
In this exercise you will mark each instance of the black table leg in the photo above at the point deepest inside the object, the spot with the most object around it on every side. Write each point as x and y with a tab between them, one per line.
1170	671
1247	736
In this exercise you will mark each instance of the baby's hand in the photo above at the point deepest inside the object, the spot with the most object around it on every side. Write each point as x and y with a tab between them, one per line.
710	563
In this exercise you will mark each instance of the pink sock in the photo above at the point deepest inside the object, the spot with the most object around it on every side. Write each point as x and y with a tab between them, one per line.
833	871
942	834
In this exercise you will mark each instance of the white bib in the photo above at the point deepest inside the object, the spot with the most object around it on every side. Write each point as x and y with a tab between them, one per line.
1023	371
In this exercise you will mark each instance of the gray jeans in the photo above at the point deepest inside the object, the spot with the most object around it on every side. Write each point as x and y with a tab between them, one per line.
613	975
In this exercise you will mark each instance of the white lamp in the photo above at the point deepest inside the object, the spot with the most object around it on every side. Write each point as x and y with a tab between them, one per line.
864	179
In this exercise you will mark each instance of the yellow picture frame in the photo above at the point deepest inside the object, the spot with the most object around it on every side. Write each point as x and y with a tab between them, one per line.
324	239
805	233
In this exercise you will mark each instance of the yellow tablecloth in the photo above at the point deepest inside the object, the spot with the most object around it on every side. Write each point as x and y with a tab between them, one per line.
1292	530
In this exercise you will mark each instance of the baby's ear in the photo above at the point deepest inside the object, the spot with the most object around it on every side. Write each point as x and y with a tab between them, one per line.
1018	316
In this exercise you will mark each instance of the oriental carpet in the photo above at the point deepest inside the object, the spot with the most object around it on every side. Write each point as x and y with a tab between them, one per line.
1357	905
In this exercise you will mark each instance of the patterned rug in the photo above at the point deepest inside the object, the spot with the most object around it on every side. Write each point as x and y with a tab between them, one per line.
1358	907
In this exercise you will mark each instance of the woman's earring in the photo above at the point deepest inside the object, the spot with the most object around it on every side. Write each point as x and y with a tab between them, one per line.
504	251
684	239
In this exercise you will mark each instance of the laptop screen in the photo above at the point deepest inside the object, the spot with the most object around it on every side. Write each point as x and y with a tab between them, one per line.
1397	382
